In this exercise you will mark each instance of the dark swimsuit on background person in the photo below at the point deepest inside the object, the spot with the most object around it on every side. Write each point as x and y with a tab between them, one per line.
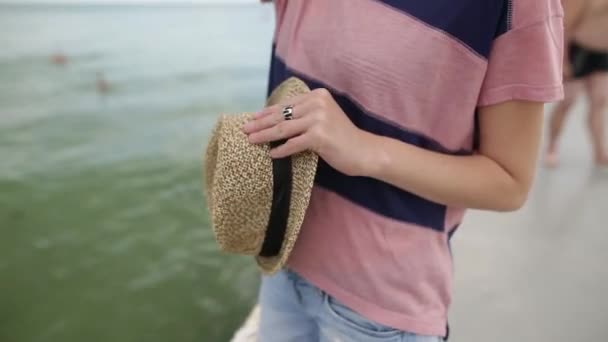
586	61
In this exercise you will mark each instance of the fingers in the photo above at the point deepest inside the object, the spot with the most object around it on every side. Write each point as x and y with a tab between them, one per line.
294	101
269	125
264	119
268	111
283	130
273	116
292	146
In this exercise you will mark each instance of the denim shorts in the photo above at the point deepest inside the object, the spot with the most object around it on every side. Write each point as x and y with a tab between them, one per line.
294	310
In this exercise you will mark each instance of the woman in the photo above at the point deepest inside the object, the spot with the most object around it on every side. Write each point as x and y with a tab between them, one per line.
586	67
420	109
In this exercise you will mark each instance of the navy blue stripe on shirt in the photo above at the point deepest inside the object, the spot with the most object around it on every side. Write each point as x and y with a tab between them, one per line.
382	198
377	196
472	22
506	17
371	123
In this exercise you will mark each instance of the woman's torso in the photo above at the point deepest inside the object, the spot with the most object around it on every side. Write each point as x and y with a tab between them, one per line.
415	71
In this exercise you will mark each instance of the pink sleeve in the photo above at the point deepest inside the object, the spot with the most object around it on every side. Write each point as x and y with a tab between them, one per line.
526	62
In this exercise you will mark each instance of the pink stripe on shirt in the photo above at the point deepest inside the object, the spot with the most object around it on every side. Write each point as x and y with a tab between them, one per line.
433	102
389	252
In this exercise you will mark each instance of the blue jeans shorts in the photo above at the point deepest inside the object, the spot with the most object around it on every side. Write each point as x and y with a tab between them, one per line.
294	310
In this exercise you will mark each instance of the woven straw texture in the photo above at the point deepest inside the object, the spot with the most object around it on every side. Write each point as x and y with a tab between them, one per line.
238	185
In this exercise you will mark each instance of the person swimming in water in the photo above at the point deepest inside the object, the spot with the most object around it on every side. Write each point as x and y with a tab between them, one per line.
59	59
585	71
103	86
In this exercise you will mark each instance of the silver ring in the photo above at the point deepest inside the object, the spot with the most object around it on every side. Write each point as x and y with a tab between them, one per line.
288	112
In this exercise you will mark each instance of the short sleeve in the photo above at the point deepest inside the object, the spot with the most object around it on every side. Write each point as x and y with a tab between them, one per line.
525	62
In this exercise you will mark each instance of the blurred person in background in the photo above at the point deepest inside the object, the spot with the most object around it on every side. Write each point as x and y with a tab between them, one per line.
59	59
585	72
419	110
102	85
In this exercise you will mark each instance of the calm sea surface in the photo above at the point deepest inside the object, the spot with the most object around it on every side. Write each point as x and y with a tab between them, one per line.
103	232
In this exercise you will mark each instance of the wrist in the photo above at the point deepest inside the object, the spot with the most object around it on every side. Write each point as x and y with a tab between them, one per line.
372	156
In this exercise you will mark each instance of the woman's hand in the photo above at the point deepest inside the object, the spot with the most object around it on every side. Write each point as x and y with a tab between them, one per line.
319	125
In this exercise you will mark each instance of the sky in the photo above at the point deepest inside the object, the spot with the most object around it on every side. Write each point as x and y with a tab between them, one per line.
124	1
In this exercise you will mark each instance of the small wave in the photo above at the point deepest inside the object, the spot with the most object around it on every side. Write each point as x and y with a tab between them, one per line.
43	243
87	57
220	74
155	277
210	305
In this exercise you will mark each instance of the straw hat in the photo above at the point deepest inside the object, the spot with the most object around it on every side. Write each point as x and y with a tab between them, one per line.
257	204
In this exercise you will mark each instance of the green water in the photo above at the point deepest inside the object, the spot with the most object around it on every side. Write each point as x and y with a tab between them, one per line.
103	232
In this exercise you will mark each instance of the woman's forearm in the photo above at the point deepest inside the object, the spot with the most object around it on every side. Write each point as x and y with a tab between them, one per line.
498	177
474	181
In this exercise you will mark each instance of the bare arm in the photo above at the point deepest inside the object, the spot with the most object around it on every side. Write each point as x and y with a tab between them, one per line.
498	178
574	11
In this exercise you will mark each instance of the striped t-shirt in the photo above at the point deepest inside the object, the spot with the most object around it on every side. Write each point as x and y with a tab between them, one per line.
416	71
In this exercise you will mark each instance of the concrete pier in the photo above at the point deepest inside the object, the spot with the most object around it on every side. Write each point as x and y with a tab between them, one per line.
539	274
